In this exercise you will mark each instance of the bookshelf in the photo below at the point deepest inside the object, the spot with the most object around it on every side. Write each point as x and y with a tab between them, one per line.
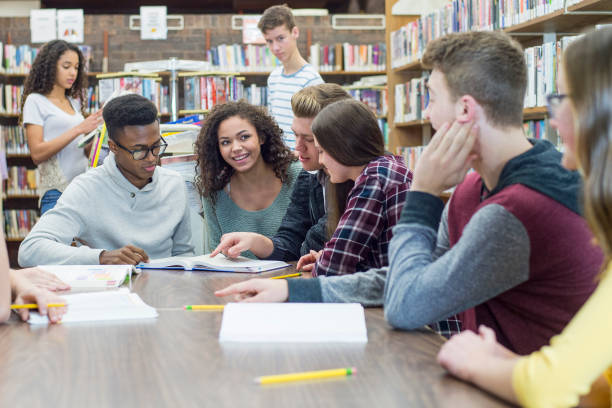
565	21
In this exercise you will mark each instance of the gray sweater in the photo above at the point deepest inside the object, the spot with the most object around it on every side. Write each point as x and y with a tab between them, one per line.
105	210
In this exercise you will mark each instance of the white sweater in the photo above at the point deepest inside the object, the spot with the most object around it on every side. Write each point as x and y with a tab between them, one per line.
105	210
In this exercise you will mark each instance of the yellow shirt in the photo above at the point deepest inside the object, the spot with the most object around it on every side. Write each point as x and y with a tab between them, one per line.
557	375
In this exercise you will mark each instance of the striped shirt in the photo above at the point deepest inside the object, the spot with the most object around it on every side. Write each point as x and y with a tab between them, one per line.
281	88
374	205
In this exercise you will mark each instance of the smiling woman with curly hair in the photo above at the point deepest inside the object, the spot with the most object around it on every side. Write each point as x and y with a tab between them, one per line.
246	173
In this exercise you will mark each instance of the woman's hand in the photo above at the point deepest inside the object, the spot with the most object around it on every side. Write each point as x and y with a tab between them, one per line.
257	290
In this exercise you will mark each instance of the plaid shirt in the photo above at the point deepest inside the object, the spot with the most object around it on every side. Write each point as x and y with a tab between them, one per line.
374	206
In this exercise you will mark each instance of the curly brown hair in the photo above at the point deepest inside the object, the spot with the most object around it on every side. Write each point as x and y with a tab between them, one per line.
214	172
42	75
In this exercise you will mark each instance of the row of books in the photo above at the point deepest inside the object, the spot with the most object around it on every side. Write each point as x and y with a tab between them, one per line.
238	57
409	42
18	59
256	95
542	66
21	181
534	129
204	92
411	99
14	140
375	98
349	57
150	88
10	98
18	223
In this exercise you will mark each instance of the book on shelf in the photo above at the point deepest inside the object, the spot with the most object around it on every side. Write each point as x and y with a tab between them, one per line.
101	306
14	140
16	59
10	98
242	58
204	92
411	99
21	181
375	98
348	57
91	276
219	263
18	223
150	88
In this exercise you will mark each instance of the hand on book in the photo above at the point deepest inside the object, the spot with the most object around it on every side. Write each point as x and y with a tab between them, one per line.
43	279
446	159
308	261
91	122
235	243
257	290
128	255
25	292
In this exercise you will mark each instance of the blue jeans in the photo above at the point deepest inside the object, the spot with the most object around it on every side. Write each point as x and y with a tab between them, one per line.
48	201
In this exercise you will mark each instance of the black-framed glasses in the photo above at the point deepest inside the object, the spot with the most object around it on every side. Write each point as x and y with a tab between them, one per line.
553	101
140	154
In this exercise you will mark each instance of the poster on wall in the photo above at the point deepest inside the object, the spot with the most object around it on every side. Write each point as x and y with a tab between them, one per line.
42	25
250	32
153	24
70	25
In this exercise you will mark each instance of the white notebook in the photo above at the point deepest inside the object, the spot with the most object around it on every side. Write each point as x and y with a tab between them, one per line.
293	322
91	276
98	306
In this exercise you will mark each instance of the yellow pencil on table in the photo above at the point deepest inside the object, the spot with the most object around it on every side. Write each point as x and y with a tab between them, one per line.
306	375
35	306
291	275
203	307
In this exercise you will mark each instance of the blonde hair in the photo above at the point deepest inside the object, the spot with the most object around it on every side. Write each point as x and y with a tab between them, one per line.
308	102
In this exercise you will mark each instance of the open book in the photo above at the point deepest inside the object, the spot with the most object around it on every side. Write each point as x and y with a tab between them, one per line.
99	306
91	276
218	263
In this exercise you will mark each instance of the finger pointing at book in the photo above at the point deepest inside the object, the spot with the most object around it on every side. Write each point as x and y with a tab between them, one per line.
257	290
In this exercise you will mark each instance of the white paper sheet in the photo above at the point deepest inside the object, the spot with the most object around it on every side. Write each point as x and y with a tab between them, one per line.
293	322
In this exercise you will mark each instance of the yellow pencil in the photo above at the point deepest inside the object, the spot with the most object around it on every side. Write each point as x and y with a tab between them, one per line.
291	275
35	306
203	307
307	375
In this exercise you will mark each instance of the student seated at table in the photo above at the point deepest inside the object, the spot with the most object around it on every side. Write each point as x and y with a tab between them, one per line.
15	287
559	373
247	174
127	210
304	226
351	147
510	249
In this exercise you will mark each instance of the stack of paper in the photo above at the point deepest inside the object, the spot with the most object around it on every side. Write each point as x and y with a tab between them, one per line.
293	322
98	306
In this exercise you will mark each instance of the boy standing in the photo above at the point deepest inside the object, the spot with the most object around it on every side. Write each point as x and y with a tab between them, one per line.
278	27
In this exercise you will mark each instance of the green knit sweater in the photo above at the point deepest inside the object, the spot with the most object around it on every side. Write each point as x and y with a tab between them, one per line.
225	216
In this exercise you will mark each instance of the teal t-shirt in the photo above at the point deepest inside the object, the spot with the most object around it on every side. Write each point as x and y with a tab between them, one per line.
225	216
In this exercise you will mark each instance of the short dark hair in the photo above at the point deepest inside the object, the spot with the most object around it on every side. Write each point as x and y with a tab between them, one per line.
128	110
488	65
276	16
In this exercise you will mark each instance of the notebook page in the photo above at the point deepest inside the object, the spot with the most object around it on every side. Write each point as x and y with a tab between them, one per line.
293	322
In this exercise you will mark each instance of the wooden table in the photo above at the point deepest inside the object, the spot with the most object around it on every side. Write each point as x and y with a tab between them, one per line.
177	361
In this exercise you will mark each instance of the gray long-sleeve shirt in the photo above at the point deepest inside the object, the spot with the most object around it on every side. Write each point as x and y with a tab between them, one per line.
105	210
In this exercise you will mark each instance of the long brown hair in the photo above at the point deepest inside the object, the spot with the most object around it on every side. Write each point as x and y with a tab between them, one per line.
214	173
44	69
591	96
348	131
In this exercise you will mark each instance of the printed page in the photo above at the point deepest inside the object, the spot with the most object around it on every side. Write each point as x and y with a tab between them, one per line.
293	322
100	306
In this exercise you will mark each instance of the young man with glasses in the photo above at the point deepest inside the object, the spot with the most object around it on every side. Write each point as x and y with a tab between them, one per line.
127	210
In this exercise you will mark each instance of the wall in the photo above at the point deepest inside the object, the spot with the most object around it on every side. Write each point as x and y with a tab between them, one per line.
125	45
